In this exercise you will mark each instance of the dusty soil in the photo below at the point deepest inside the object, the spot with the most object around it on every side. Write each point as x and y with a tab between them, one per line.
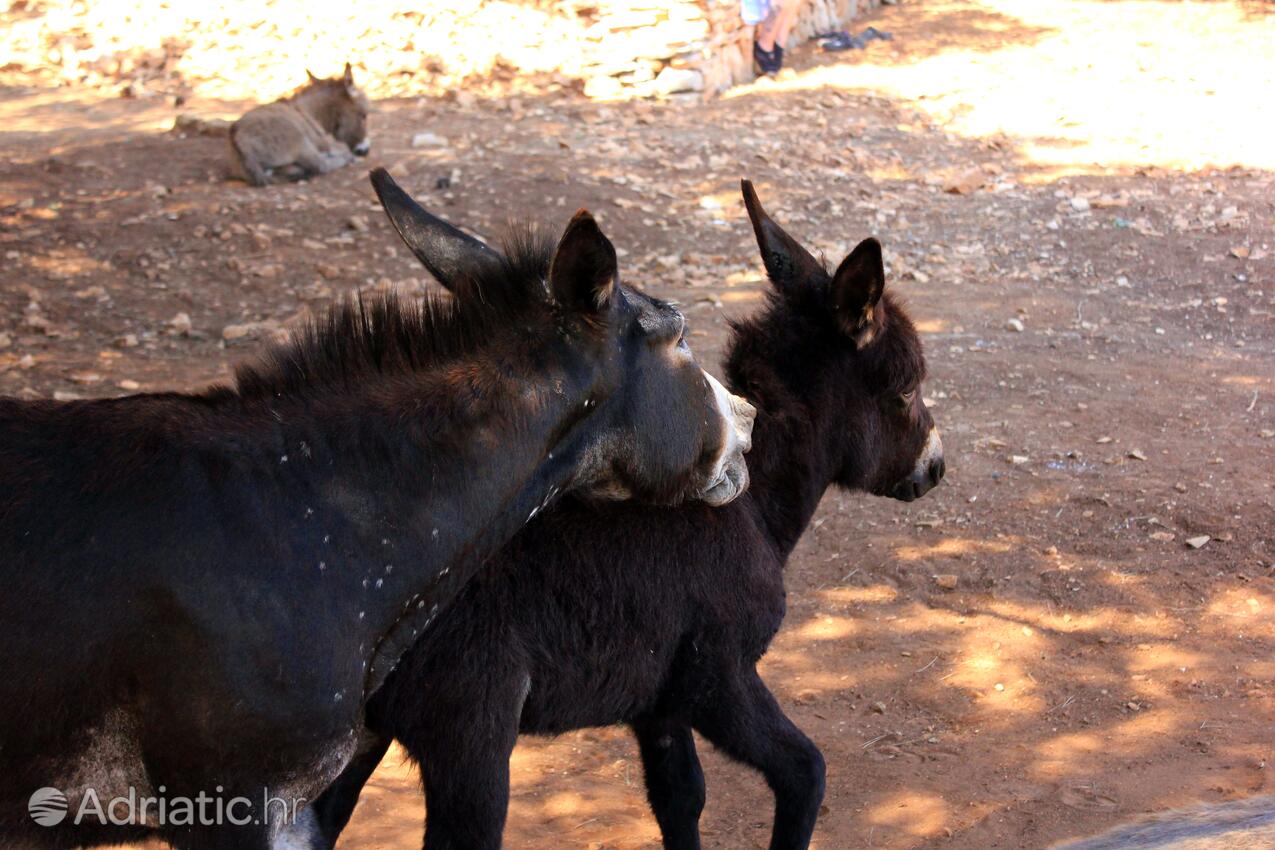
1089	665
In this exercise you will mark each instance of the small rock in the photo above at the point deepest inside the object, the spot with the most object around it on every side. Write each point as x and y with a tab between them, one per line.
878	708
672	80
429	140
126	341
5	340
1018	460
966	182
1137	454
1014	325
357	223
129	385
1080	204
603	87
806	697
250	330
181	324
947	581
1198	542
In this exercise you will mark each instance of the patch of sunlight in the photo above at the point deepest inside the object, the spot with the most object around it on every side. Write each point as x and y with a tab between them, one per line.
529	759
826	628
1106	620
893	171
954	547
931	326
873	594
740	297
914	812
1093	85
747	277
1080	753
1244	380
1067	754
1245	609
64	267
1162	657
564	804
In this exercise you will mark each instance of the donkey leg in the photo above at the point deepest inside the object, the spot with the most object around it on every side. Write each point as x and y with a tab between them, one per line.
467	792
747	724
332	811
314	161
462	742
674	780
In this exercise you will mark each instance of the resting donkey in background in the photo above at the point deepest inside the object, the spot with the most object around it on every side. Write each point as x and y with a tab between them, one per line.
657	618
319	128
202	591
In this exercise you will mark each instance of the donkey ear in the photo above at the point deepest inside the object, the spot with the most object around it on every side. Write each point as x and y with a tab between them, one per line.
583	272
856	290
444	250
348	78
786	261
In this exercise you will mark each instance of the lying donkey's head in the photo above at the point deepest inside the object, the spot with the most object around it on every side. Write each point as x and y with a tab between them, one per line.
858	357
339	107
666	430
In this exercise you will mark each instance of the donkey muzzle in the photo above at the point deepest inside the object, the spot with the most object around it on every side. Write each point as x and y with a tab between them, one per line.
926	474
363	148
730	475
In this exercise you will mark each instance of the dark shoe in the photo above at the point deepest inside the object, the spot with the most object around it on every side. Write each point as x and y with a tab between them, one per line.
768	61
872	32
836	42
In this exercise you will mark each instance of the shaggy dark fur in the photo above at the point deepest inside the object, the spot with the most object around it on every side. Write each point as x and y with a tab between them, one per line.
202	591
655	617
357	340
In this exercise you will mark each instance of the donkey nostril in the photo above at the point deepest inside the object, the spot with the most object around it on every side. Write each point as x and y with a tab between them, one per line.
937	469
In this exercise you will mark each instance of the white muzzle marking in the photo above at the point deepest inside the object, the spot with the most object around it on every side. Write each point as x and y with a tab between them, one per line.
930	452
730	472
363	147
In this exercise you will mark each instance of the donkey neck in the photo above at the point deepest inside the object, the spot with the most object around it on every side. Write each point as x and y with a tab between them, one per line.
418	500
792	461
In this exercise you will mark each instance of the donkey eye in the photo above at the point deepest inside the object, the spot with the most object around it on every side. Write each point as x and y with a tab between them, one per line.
906	399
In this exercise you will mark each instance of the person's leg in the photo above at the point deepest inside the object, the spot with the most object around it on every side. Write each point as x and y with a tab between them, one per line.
764	33
784	20
772	33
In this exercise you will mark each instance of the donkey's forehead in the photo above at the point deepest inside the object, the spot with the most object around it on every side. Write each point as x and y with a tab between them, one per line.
898	358
655	316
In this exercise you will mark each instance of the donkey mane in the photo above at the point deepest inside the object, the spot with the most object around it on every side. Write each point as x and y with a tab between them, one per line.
362	338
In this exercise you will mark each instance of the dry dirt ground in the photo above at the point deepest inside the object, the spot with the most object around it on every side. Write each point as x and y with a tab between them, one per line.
1095	298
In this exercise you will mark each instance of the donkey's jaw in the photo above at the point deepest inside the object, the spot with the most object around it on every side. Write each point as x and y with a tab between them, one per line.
729	478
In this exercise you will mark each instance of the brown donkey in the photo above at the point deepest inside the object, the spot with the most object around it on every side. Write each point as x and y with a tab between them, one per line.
317	129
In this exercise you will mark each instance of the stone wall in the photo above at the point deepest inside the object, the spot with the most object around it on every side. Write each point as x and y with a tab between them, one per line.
258	50
670	48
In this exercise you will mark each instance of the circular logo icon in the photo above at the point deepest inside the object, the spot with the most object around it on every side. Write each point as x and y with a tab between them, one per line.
47	807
